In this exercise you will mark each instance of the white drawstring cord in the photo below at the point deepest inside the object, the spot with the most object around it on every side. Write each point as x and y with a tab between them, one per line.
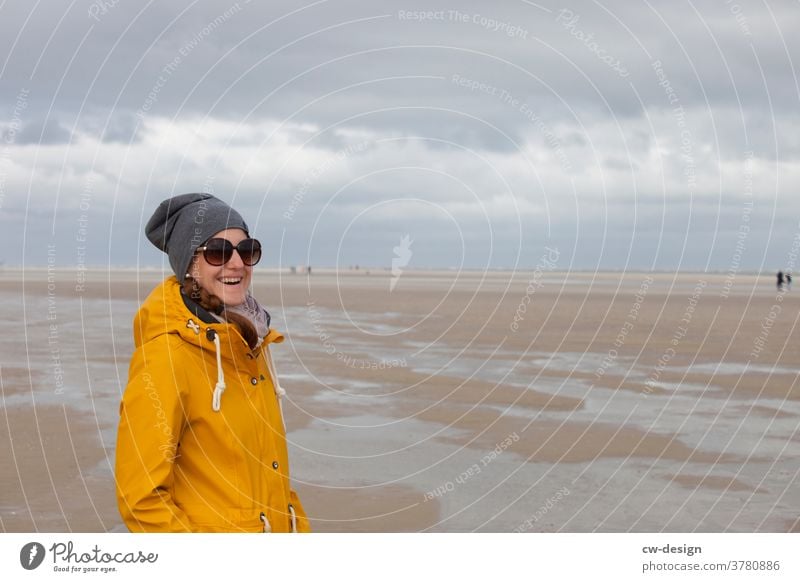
265	521
220	387
294	518
280	392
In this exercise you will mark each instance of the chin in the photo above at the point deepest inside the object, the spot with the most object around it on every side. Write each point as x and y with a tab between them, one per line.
231	297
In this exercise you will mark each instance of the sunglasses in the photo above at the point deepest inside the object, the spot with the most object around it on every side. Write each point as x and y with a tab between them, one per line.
218	251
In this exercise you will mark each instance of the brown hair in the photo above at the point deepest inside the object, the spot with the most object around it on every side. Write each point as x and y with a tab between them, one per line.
214	304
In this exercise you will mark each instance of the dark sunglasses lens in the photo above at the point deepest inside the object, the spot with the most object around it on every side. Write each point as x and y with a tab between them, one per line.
250	251
218	251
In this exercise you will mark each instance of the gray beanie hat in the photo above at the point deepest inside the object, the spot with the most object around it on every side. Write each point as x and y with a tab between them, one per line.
182	223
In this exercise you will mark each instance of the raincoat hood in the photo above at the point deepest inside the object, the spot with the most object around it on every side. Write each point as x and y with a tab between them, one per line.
169	310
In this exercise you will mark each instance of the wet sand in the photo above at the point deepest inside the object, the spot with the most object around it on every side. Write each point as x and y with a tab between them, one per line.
454	402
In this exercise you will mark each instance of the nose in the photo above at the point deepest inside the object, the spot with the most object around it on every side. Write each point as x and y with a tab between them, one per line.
236	261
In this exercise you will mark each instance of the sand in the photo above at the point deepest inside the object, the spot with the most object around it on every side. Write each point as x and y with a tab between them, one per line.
454	402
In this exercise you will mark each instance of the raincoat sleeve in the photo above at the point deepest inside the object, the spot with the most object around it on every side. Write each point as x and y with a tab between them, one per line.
150	427
303	525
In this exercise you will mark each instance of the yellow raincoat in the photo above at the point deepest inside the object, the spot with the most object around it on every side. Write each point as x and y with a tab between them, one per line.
201	445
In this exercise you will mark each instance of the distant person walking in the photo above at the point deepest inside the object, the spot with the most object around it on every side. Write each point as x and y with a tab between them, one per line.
780	280
788	281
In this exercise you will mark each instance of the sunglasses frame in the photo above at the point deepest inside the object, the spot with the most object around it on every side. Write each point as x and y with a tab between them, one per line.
229	247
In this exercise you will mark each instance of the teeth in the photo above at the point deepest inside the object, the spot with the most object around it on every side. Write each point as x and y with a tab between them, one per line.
231	280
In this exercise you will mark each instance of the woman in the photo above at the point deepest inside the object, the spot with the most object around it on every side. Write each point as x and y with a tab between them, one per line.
201	445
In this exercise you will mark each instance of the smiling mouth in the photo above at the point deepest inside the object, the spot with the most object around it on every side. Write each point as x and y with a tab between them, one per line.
231	280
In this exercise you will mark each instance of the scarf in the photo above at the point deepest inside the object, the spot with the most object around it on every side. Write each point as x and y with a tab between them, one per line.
252	310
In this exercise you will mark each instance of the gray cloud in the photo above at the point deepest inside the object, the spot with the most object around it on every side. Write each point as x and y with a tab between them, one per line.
43	132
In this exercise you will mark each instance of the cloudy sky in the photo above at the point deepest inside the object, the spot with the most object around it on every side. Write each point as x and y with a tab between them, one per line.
629	135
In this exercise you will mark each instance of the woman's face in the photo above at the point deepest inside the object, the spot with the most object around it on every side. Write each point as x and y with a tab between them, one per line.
230	281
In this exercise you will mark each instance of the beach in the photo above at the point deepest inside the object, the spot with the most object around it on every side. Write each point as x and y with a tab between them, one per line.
499	401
